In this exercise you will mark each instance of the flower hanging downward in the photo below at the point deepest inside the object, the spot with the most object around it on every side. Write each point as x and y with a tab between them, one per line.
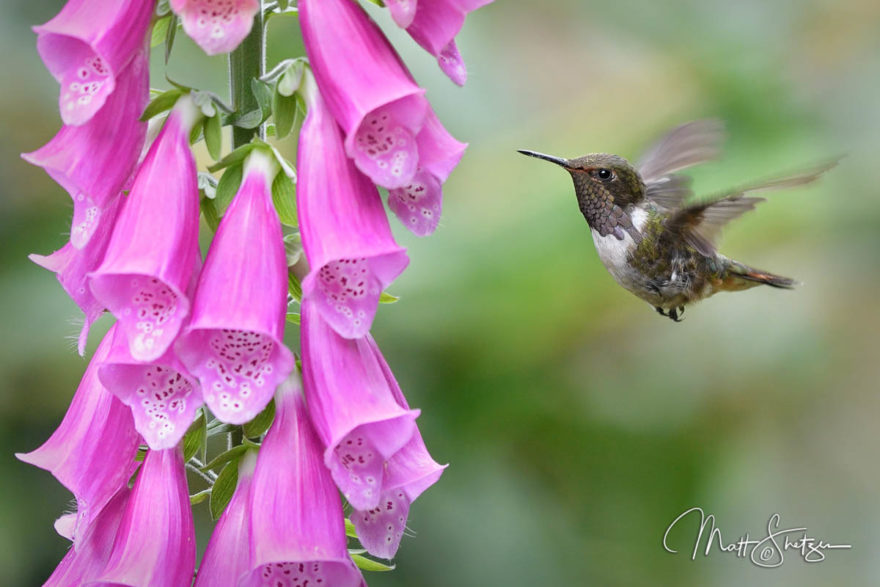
346	237
234	341
87	45
366	87
217	26
353	409
297	532
154	248
92	452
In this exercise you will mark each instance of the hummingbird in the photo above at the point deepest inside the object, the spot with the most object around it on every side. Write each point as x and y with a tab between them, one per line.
654	239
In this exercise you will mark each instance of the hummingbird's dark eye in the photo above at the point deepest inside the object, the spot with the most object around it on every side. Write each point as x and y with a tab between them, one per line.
604	174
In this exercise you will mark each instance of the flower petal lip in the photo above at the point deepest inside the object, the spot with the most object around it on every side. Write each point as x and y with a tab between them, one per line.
154	247
93	161
217	26
374	98
155	543
234	343
402	11
162	395
296	525
352	408
87	45
93	450
345	232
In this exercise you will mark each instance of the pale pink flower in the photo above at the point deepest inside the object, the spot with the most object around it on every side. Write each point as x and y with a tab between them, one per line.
217	26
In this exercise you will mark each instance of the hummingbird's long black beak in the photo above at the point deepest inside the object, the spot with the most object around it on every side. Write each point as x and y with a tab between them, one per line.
558	160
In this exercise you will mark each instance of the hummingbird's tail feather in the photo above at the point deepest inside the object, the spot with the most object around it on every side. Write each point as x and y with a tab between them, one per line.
770	279
739	277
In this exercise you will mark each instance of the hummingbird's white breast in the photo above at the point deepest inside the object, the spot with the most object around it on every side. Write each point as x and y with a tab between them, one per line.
614	253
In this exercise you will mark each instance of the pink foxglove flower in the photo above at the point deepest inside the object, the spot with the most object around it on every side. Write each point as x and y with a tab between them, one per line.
94	160
366	87
217	26
227	557
352	407
297	532
92	452
408	473
402	11
419	203
85	561
72	265
162	395
434	26
154	247
345	231
156	542
234	342
87	45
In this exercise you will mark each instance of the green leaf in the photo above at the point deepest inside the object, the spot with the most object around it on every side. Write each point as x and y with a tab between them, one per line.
141	454
195	437
293	248
161	103
207	185
263	93
160	31
261	422
163	8
227	187
224	487
350	529
169	37
293	318
366	564
387	298
284	198
237	156
248	120
213	137
294	287
283	4
195	133
233	454
212	219
378	3
197	498
284	113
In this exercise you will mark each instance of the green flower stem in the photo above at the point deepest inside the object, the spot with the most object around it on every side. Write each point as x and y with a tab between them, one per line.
247	62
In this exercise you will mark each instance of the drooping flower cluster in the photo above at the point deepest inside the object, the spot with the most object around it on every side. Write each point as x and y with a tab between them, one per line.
197	347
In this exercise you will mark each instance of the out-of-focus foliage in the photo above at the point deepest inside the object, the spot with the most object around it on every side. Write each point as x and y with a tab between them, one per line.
577	422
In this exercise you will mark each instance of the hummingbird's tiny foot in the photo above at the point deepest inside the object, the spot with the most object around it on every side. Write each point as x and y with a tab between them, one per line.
660	311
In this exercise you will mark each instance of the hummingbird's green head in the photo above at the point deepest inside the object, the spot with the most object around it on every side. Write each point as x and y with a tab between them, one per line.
600	176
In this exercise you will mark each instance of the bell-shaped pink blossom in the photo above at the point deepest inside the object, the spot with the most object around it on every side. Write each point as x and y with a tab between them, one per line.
344	228
227	556
156	542
87	45
418	204
434	26
93	161
154	247
408	473
72	265
366	87
352	407
234	342
85	561
162	395
402	11
217	26
93	450
297	531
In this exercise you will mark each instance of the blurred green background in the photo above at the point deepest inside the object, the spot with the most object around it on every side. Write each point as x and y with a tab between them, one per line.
577	422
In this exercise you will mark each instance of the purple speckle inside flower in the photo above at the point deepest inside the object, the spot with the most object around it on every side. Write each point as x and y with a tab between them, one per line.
215	15
310	573
417	204
86	216
385	150
239	360
381	528
160	401
153	306
83	83
350	290
357	469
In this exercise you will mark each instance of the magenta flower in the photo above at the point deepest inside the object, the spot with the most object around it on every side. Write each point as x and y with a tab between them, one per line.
92	452
402	11
85	560
94	160
162	395
366	87
71	266
352	407
345	232
434	26
156	543
418	204
297	533
217	26
87	45
408	473
227	557
234	342
154	247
